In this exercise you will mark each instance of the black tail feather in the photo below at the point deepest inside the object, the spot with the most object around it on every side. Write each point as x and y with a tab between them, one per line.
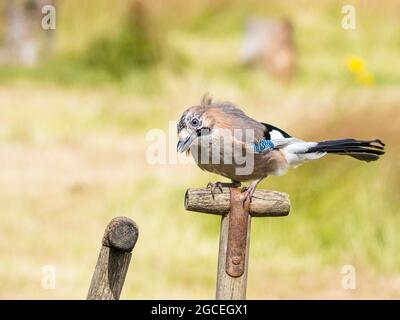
366	150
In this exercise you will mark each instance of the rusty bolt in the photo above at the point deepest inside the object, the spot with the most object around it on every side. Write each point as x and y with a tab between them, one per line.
236	260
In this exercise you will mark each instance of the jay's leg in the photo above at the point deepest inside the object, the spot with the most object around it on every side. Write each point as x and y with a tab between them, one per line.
249	191
219	185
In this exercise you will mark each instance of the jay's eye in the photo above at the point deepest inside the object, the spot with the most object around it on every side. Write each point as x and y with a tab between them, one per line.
195	122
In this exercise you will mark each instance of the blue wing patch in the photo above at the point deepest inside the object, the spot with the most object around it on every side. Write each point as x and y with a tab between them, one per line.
263	145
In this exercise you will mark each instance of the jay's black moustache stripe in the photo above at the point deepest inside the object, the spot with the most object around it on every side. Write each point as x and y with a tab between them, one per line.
202	130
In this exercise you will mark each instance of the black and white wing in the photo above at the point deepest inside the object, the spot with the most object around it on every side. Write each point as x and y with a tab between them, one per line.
296	151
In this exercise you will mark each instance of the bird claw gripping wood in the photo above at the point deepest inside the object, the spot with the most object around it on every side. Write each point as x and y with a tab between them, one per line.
219	185
214	186
247	194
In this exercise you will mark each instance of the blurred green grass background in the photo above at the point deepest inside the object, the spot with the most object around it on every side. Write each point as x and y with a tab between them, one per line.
73	150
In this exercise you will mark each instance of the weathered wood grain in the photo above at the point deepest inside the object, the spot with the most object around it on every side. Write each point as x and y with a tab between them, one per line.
265	203
115	255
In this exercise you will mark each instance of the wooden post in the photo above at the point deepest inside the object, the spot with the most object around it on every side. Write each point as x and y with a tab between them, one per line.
112	265
234	240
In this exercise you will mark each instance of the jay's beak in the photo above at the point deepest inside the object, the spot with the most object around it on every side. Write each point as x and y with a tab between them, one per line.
185	140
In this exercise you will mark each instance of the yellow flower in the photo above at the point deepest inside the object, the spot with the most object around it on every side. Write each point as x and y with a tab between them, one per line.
357	67
355	64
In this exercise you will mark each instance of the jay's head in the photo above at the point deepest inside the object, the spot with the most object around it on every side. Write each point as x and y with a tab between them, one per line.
194	123
208	118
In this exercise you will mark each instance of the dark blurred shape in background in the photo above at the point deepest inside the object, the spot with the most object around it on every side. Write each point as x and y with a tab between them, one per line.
269	44
24	39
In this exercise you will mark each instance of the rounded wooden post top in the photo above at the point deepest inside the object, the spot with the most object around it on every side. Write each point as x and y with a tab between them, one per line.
121	234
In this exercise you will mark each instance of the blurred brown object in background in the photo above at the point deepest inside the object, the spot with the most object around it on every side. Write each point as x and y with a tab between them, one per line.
24	38
269	43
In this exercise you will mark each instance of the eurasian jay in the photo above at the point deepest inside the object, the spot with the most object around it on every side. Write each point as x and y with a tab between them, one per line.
269	150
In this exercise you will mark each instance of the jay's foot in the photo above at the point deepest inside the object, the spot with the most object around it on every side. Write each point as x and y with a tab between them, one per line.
219	185
248	192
